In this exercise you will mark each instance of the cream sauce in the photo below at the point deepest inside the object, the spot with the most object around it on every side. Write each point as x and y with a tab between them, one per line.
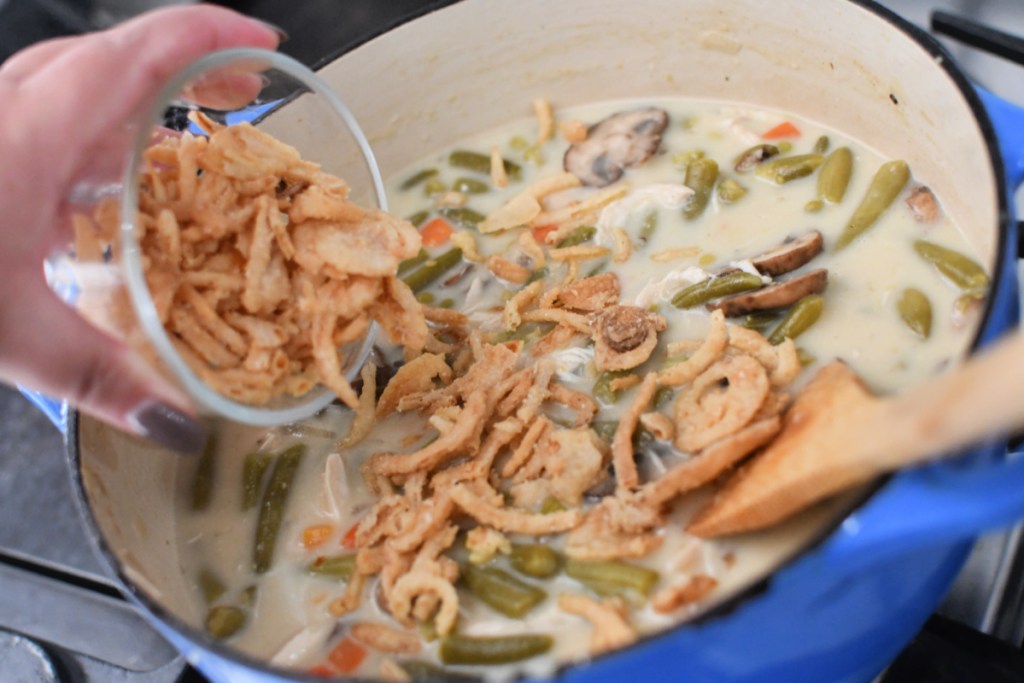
289	620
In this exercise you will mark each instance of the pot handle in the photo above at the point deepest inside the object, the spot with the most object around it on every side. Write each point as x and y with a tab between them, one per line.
938	504
1008	121
54	409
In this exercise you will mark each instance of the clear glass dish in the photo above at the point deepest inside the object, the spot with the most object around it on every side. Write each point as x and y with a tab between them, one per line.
325	133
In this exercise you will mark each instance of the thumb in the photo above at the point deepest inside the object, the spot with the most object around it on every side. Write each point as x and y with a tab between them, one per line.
47	346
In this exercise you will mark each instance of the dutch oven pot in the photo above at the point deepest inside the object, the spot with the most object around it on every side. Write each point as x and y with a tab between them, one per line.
845	607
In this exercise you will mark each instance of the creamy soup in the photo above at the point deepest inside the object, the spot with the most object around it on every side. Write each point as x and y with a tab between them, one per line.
273	553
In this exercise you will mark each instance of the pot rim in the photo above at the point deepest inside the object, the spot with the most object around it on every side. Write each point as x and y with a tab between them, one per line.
201	640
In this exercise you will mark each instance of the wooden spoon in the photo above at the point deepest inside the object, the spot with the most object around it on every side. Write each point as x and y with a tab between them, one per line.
837	435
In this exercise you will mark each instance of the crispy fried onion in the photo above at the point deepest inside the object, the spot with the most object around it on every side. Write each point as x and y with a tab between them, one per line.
722	400
565	464
620	526
695	589
386	638
490	510
365	417
608	617
707	353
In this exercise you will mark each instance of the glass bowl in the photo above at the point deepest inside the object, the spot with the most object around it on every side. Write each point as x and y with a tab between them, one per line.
278	94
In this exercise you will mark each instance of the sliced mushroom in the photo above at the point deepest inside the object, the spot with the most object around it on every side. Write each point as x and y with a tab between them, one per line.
621	141
625	336
777	295
790	255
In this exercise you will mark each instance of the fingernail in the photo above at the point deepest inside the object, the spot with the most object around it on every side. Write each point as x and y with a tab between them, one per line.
170	427
282	35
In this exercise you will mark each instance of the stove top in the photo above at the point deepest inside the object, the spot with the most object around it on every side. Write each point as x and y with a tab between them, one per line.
62	619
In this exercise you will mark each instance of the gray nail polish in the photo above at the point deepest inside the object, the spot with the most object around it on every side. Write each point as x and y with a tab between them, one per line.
170	427
282	35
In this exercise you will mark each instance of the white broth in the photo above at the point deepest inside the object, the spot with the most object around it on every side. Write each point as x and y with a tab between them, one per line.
286	609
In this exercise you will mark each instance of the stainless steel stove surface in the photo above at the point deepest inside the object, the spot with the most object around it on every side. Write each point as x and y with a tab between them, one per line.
61	618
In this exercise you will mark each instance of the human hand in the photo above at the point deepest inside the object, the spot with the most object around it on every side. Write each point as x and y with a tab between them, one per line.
61	99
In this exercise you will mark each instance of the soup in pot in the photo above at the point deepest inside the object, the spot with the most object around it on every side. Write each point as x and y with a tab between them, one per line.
623	299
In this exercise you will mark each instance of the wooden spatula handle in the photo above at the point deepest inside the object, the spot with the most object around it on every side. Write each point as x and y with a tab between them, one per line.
981	398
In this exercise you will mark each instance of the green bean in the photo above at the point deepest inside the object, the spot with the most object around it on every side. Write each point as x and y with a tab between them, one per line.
801	316
481	163
605	429
536	560
785	147
662	396
464	217
210	585
730	191
785	169
916	311
582	234
202	483
501	590
470	186
887	183
834	176
684	159
961	270
410	263
538	274
253	470
417	178
615	574
758	321
700	177
650	224
821	145
417	218
425	672
754	156
715	287
433	269
434	186
603	386
224	621
272	508
533	155
552	504
457	649
334	566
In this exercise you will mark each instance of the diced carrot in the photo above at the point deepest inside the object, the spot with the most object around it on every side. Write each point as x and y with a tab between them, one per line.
313	536
783	130
436	232
323	671
349	539
542	231
347	655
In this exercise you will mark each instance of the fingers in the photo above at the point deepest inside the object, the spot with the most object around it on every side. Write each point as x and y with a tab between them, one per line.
107	78
47	346
28	61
